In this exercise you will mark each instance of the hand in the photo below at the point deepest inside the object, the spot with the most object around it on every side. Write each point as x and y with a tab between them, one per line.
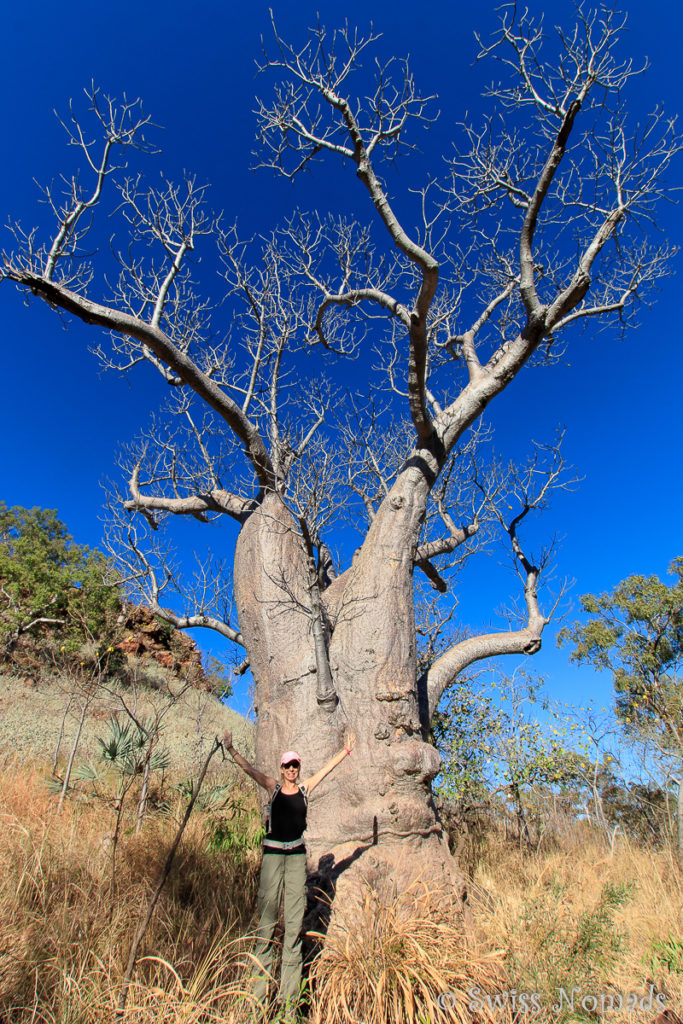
227	739
350	740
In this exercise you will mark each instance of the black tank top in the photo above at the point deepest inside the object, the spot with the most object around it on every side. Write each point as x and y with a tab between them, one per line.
287	817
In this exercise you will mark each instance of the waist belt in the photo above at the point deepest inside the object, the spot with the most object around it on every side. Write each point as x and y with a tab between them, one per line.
276	844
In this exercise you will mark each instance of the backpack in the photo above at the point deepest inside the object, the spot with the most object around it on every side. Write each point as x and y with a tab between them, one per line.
278	787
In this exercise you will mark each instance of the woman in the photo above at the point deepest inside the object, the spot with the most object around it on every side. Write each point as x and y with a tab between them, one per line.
284	863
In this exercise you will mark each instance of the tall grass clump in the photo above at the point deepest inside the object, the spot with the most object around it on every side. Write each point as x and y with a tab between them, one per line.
215	989
395	959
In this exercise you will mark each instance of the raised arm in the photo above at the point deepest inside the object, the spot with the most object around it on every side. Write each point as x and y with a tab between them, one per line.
266	781
310	784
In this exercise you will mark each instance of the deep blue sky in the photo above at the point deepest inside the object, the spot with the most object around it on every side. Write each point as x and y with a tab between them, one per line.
194	69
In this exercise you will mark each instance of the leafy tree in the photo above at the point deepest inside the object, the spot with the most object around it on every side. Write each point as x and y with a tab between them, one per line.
506	738
49	584
636	632
537	226
218	678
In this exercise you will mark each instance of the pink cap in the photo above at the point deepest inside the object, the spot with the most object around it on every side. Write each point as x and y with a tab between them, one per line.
290	755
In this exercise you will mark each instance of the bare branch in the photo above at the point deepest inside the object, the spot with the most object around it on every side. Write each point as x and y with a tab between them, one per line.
531	486
122	127
295	122
216	500
157	342
146	571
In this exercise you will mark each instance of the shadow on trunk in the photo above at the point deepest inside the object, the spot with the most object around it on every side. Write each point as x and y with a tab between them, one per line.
322	888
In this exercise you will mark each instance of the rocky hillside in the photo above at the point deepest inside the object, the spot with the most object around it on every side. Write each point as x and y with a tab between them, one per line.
39	714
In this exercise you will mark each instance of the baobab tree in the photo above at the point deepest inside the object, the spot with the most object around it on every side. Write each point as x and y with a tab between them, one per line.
541	224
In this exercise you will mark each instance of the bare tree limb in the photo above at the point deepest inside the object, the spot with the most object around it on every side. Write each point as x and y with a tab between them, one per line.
122	323
216	500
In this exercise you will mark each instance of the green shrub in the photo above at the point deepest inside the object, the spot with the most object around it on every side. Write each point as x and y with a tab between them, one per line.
559	951
237	829
55	596
667	953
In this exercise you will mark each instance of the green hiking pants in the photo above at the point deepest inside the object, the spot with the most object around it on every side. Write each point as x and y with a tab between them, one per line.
281	871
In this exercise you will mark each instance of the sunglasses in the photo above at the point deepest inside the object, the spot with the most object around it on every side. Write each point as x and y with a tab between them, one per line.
291	764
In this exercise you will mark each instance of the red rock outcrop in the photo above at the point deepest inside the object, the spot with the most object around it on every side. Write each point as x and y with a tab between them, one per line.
147	637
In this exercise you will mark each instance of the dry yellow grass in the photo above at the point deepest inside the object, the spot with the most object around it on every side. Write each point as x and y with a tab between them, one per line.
574	917
585	917
394	958
65	932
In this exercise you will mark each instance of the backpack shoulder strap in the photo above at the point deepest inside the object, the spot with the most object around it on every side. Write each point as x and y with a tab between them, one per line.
278	787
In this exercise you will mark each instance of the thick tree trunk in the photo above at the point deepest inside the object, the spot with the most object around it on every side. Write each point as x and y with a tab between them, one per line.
374	812
273	604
